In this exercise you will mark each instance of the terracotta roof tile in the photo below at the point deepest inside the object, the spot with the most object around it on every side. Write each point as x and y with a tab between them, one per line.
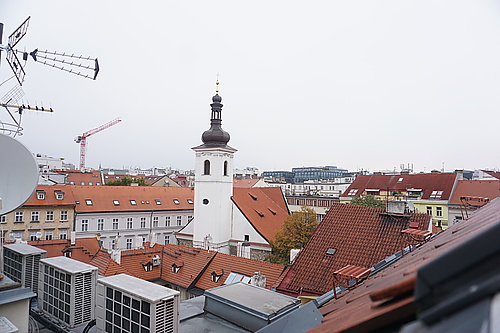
427	182
360	236
226	263
78	177
245	183
370	306
478	188
50	196
118	198
264	207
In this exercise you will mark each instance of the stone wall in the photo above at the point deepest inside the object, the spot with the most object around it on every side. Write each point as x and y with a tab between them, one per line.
185	242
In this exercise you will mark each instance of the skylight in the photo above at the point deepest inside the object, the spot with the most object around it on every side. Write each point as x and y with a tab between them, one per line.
235	277
400	179
190	201
177	202
158	202
133	202
352	192
116	202
88	202
436	195
330	251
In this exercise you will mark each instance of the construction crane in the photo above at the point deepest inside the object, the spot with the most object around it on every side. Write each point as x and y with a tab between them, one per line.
82	139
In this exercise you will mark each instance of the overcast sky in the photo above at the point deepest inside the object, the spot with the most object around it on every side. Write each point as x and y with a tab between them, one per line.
357	84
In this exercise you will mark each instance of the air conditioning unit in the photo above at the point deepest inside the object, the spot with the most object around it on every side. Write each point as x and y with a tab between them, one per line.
21	264
66	290
156	260
128	304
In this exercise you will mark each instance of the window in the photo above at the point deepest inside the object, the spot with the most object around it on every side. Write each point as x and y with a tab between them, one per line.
143	222
400	179
177	202
133	202
40	195
158	201
35	216
63	234
246	238
88	202
3	219
115	224
49	216
112	244
85	225
155	221
179	220
129	223
90	183
167	239
116	202
225	168
235	277
49	234
190	218
64	215
436	195
129	243
59	195
429	210
352	192
190	201
167	221
205	201
19	217
100	224
206	167
439	211
33	235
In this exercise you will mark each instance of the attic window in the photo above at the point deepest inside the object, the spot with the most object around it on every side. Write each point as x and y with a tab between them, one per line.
133	202
235	277
272	211
176	267
40	195
148	266
400	179
59	195
116	202
177	202
352	192
216	276
252	196
88	202
436	195
190	201
372	191
330	251
158	201
261	214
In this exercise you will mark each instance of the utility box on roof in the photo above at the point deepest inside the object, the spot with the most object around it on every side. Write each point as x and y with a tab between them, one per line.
21	264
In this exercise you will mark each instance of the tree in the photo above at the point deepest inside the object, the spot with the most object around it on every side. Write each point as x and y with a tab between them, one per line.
368	201
127	181
294	234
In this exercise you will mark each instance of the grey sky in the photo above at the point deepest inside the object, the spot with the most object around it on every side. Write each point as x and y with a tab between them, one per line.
357	84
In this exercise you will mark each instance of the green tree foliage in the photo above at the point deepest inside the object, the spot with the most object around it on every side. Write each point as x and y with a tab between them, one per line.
368	201
294	234
127	181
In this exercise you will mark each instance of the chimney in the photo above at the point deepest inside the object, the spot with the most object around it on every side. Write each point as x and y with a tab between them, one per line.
258	280
460	174
73	237
116	255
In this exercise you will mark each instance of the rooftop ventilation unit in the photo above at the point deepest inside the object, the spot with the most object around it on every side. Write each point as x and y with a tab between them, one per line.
66	290
128	304
248	306
21	263
156	260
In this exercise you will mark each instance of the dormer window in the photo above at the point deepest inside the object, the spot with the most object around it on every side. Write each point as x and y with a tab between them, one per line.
158	201
88	202
216	276
148	266
40	195
176	267
59	195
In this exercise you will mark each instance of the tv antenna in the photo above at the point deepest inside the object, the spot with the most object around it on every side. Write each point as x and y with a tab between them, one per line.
76	64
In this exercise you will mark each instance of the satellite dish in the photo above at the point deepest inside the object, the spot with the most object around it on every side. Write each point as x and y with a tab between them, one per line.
18	174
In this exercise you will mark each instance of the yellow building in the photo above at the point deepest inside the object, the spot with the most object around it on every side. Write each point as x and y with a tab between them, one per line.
48	214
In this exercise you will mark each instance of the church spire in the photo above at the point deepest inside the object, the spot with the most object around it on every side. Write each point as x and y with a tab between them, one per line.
216	136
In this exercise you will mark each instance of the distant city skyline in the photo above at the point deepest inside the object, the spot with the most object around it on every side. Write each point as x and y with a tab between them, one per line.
359	85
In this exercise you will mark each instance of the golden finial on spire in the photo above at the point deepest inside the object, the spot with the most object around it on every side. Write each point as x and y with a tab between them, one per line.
217	84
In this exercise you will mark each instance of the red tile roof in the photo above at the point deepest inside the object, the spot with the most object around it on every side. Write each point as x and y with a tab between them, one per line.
264	207
245	183
426	182
50	196
477	188
78	177
371	305
360	236
84	249
103	198
225	264
495	174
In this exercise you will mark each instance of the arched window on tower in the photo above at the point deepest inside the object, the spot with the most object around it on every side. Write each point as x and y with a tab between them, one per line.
225	168
206	167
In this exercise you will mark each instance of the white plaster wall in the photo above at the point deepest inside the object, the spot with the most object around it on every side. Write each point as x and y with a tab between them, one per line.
17	313
241	227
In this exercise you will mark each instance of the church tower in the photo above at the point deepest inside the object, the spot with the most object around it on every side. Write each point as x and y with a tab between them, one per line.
213	185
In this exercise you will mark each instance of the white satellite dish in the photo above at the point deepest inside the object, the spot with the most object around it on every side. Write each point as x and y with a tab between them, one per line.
18	174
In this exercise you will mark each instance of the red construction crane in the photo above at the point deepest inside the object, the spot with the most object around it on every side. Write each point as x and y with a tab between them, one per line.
82	139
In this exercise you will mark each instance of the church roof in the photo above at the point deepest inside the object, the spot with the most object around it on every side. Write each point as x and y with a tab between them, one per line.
264	207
